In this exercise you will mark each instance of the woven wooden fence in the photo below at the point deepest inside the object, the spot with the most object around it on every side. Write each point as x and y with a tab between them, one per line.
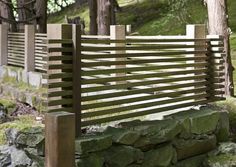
111	78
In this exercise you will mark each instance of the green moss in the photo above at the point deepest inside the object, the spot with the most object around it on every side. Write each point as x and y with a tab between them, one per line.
229	105
20	124
7	102
222	160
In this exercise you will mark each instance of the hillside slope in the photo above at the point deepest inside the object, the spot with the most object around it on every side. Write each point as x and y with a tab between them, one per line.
149	17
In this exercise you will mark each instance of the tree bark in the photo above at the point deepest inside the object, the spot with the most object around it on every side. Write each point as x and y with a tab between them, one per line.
218	25
6	12
93	17
25	9
104	17
113	12
41	13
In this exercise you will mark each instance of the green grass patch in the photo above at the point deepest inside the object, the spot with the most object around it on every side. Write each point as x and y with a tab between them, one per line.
8	103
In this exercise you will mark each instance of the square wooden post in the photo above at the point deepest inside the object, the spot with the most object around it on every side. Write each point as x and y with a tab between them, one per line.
60	139
118	32
29	48
196	32
3	44
76	37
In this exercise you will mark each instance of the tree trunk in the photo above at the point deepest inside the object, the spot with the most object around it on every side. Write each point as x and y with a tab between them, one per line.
93	17
25	10
218	25
104	17
41	13
113	12
7	16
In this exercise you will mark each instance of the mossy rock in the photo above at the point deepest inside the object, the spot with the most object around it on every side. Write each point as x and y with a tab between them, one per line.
223	160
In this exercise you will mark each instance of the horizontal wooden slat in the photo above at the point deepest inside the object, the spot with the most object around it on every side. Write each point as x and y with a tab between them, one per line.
62	84
96	36
58	49
58	41
58	102
58	66
55	58
15	63
130	61
16	33
61	109
57	76
59	93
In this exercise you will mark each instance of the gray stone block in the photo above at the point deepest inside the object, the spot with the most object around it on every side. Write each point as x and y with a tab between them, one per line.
3	72
93	160
35	79
25	77
163	156
121	156
123	136
12	73
92	143
192	147
223	132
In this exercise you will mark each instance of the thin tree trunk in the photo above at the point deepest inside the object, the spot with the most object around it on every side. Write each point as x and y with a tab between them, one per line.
104	17
25	9
113	12
41	12
218	25
93	17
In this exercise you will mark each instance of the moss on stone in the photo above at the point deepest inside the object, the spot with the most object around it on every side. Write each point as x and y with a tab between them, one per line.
221	160
22	123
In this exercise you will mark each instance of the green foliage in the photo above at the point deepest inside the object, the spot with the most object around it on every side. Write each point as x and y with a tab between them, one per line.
232	14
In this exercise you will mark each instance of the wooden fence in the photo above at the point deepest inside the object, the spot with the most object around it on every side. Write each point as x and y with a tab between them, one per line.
111	78
24	50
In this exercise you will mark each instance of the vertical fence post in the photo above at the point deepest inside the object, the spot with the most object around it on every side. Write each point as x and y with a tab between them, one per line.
29	48
196	32
118	32
3	44
60	139
128	29
76	37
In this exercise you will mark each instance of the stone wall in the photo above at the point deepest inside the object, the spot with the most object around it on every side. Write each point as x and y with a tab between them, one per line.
181	140
18	75
188	139
17	84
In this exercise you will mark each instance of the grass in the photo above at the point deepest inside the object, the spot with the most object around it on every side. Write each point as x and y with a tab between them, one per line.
22	123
